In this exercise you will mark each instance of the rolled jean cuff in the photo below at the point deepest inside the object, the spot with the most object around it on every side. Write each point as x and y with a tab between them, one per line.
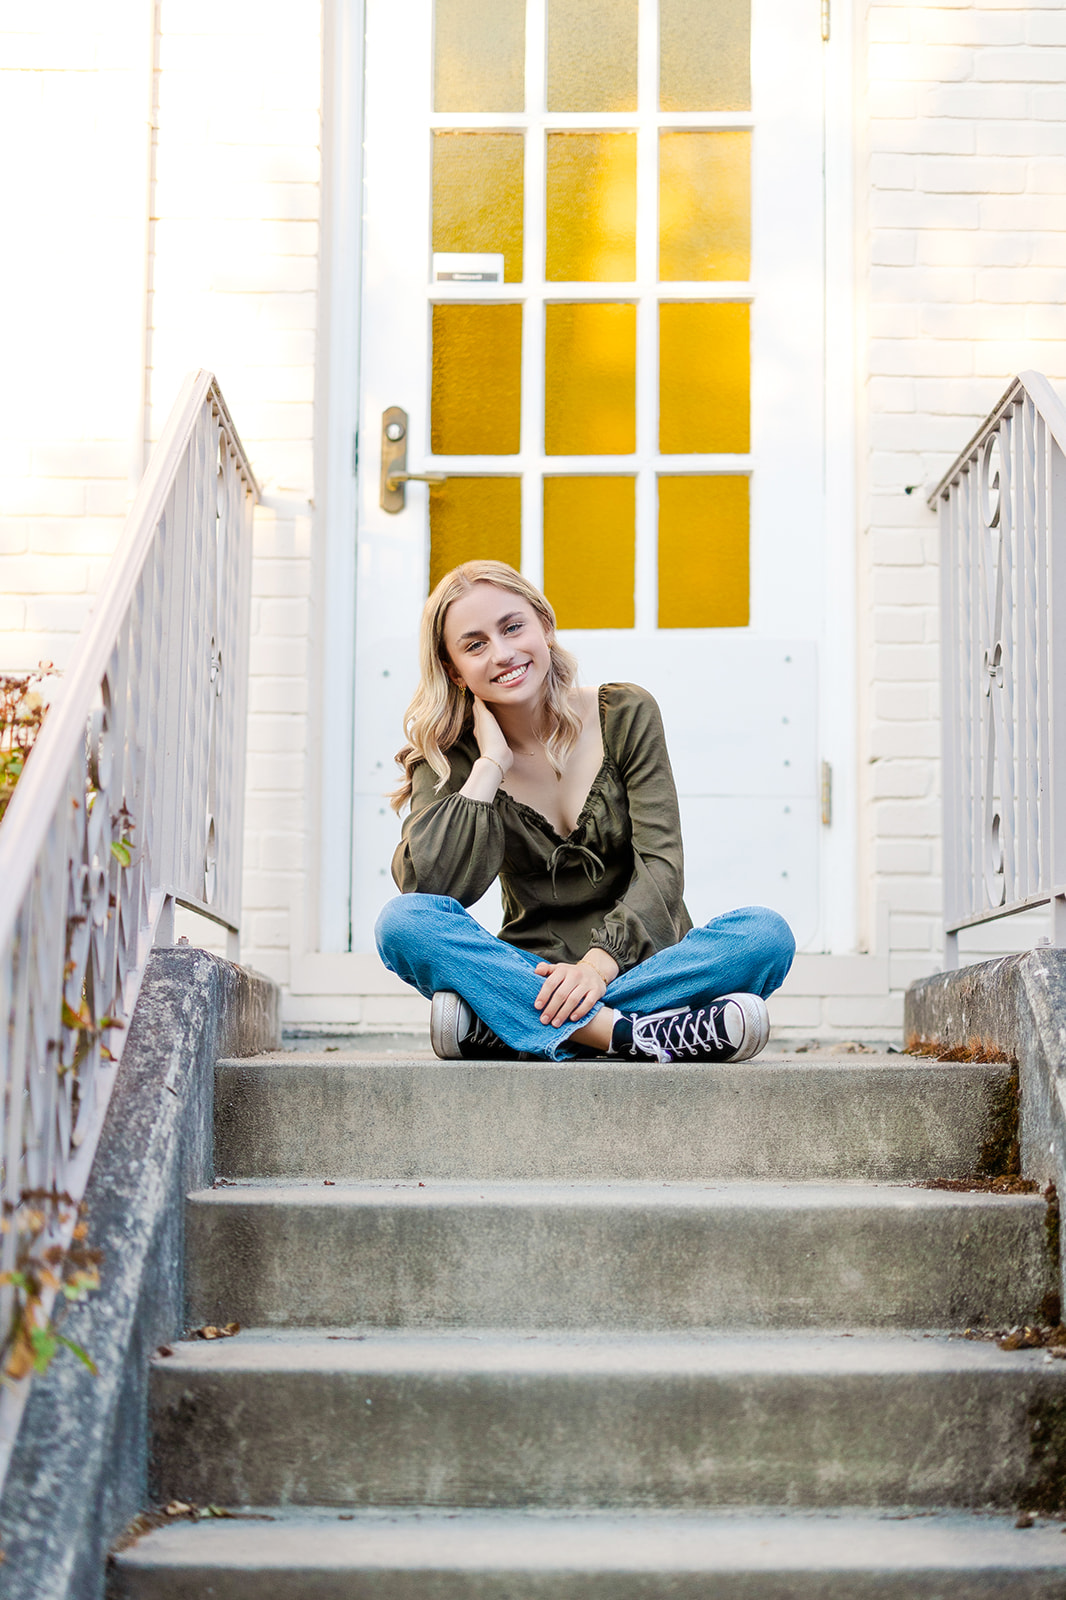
566	1030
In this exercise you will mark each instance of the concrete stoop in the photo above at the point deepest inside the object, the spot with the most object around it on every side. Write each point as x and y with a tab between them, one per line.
486	1555
521	1330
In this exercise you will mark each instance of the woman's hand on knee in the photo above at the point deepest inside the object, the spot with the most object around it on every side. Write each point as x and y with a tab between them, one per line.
568	992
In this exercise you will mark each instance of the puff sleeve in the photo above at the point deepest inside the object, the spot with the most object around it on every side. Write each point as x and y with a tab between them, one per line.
450	844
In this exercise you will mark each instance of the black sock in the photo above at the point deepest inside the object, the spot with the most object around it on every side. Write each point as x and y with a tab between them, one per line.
622	1035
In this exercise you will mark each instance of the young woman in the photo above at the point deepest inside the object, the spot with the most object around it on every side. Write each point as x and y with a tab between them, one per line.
566	795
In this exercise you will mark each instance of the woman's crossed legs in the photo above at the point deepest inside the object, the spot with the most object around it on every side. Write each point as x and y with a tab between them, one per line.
433	943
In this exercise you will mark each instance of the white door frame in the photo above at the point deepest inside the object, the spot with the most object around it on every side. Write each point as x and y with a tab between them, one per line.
327	922
843	930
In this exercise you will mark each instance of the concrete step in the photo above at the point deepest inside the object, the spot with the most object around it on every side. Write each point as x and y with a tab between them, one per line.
546	1419
778	1119
501	1556
656	1256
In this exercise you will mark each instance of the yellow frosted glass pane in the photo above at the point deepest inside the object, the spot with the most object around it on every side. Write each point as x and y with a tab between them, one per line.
590	550
703	552
479	55
704	206
477	195
592	55
474	519
705	55
704	378
591	208
476	405
590	370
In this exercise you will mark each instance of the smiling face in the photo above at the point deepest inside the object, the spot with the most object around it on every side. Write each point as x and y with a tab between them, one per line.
497	646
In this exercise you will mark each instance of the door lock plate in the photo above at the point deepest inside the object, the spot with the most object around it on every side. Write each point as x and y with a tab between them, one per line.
393	457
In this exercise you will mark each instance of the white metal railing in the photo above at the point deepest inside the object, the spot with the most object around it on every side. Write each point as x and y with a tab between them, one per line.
1002	508
132	799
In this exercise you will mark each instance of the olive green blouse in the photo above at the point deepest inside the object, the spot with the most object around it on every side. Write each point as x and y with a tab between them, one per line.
615	882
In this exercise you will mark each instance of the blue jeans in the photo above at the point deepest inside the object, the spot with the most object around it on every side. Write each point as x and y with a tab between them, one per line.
432	942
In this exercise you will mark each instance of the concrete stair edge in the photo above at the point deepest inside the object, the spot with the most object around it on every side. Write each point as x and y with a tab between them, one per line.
622	1255
584	1421
886	1118
596	1556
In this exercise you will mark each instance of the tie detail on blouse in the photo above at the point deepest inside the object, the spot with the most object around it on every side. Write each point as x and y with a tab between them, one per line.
588	859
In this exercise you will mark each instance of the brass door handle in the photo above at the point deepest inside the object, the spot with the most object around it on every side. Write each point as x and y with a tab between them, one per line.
394	473
394	479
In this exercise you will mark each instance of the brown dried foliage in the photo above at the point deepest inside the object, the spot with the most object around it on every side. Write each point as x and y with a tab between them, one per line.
22	714
974	1050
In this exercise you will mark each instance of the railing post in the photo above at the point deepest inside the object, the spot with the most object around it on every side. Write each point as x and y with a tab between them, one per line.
1054	495
949	711
164	928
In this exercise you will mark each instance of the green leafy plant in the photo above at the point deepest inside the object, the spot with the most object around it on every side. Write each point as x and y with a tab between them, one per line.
22	714
66	1273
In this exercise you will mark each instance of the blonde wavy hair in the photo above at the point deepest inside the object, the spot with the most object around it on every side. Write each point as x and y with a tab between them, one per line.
442	710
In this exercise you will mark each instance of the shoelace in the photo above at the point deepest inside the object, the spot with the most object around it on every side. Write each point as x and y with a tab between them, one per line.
668	1034
480	1032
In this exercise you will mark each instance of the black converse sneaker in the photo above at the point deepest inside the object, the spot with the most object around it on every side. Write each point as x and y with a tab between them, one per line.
456	1034
734	1028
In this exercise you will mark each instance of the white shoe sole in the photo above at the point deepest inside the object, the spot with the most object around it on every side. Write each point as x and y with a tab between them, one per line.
756	1025
449	1021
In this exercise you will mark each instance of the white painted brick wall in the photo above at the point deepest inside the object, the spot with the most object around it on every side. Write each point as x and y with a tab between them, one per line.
73	117
965	284
238	166
234	271
962	277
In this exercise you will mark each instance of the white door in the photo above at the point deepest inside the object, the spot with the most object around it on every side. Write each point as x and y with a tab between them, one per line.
594	301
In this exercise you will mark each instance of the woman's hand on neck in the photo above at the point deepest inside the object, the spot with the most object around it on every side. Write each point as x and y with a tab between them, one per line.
492	742
496	756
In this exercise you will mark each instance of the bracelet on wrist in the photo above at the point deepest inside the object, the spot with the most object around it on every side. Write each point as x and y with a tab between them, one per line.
583	962
496	764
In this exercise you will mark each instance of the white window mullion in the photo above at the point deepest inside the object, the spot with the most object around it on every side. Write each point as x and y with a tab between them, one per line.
533	314
588	119
741	293
646	574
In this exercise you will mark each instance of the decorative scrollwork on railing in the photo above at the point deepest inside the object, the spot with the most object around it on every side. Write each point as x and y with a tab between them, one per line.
995	532
1002	508
990	480
995	881
132	800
